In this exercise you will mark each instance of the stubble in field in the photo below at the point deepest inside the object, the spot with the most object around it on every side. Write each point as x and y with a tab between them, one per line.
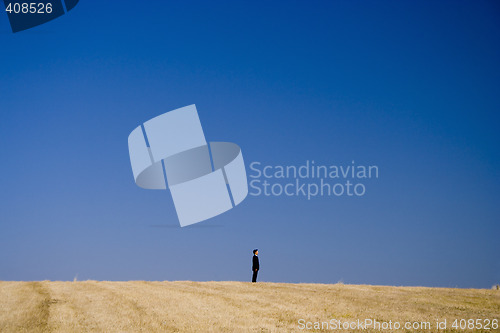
184	306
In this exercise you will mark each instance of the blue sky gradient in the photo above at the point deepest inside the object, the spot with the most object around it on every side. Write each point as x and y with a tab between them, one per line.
412	87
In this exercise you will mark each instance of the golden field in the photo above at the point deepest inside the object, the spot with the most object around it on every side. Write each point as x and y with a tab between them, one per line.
185	306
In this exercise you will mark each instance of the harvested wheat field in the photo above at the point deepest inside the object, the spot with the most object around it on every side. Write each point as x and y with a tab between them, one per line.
184	306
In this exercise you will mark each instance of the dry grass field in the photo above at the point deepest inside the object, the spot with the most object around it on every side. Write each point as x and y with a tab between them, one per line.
184	306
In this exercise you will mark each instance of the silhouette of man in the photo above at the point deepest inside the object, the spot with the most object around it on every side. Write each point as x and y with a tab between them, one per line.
255	265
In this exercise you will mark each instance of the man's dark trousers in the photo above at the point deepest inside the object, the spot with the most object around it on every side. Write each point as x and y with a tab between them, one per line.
255	267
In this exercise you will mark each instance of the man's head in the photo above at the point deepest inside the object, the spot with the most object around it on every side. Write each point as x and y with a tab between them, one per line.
256	251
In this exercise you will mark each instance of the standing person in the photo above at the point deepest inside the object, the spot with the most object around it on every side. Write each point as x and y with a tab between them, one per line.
255	265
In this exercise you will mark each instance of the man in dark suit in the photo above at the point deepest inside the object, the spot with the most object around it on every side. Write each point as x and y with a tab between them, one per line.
255	265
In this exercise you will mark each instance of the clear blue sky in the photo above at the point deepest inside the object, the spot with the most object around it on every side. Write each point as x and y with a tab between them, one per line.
411	86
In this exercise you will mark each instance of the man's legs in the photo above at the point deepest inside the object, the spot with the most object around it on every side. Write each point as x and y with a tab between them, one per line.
254	276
